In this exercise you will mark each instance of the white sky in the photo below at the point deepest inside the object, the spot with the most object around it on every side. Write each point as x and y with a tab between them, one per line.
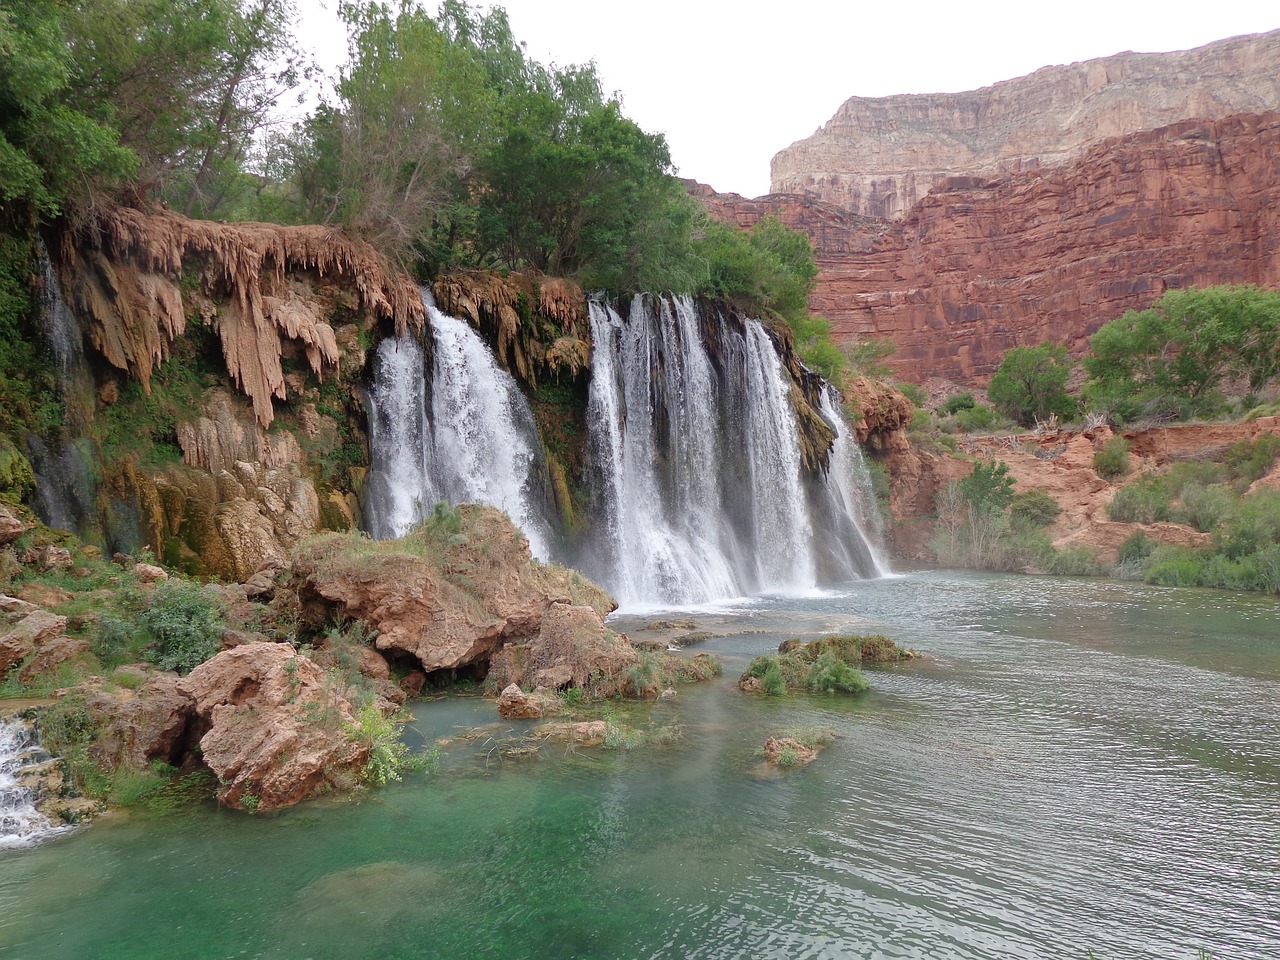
731	84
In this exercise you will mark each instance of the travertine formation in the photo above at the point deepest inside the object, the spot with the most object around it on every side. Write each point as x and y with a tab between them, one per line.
879	156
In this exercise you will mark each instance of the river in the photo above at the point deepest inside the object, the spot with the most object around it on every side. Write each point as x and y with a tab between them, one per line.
1076	766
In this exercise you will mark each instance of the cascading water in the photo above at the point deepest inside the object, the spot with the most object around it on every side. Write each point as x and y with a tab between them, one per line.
66	487
699	492
21	824
465	435
61	331
660	533
697	486
852	513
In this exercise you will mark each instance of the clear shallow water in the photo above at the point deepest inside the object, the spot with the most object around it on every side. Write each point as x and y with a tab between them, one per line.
1080	765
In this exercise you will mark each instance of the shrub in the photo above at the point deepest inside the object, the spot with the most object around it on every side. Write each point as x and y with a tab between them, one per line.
1204	508
185	620
775	685
1034	508
788	756
1136	548
1078	561
1248	461
957	402
1112	461
1146	500
981	418
1174	567
389	756
830	674
1031	384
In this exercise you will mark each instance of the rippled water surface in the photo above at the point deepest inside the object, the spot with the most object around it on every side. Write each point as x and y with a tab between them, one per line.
1077	766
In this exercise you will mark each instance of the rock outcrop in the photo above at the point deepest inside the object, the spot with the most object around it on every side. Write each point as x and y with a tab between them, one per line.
880	156
447	595
257	283
573	648
275	730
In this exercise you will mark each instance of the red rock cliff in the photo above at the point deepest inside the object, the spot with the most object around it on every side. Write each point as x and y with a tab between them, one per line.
982	265
880	156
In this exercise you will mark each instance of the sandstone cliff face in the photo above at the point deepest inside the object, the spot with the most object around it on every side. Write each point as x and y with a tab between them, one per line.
1052	254
879	156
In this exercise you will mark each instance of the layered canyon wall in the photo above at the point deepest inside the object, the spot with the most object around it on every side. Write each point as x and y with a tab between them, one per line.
879	156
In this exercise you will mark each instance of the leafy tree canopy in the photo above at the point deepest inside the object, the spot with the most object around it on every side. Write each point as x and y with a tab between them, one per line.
1031	384
1171	360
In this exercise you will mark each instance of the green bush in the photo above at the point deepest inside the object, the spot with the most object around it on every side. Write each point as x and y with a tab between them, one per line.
1031	384
1204	508
830	674
185	620
1248	461
1076	561
957	402
1174	567
1136	548
1112	461
774	684
389	756
981	418
1034	508
1146	500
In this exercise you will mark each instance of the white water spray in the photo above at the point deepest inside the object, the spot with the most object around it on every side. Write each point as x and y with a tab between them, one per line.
466	436
21	824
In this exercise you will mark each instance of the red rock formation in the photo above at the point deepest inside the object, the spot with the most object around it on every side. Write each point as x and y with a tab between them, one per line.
277	731
880	156
448	598
1053	254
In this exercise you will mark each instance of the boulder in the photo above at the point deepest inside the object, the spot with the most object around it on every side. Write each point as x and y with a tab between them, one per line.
24	637
276	732
450	601
515	704
48	558
51	655
11	525
150	573
136	727
573	648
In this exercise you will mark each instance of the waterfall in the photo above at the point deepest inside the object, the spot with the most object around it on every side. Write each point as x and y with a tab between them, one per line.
695	477
61	331
852	516
21	824
463	435
660	536
698	487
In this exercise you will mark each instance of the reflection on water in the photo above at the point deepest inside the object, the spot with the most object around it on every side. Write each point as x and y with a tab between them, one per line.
1078	766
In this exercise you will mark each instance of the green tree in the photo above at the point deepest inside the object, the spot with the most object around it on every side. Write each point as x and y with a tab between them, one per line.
988	488
389	159
187	83
52	154
1031	384
1171	360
